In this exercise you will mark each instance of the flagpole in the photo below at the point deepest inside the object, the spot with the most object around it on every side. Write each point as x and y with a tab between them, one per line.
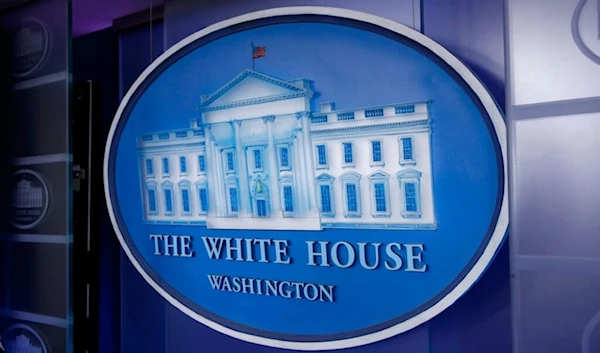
252	54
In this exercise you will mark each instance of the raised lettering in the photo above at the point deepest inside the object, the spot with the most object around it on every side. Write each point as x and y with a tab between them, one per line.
213	247
335	254
413	256
322	253
281	251
396	261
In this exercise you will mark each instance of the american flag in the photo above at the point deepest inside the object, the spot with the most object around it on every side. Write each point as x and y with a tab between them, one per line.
258	52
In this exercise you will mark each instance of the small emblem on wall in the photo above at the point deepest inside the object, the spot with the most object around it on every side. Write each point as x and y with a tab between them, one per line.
21	338
585	27
29	199
30	46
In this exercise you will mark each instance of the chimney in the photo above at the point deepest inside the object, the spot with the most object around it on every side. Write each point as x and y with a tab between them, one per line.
301	83
195	123
327	107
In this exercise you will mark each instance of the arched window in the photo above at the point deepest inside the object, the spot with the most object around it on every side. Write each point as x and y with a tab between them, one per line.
351	194
287	196
410	192
260	198
232	195
380	194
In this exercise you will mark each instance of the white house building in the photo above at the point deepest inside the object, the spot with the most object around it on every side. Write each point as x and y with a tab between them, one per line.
259	158
24	195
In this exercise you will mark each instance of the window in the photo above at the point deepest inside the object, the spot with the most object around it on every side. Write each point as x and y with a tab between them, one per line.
377	153
410	192
165	165
288	201
233	200
229	162
201	163
168	201
202	192
351	197
257	159
184	194
326	197
168	198
284	158
261	208
348	155
232	197
182	165
321	156
203	195
149	167
151	198
185	201
407	148
380	198
410	197
407	155
351	194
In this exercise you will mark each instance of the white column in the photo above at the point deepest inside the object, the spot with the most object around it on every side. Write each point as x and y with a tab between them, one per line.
211	174
220	187
273	170
242	170
302	172
309	163
297	172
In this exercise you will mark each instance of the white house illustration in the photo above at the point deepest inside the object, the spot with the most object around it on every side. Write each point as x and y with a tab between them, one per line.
22	344
24	195
259	158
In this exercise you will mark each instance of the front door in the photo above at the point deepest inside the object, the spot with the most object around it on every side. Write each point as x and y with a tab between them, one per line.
261	208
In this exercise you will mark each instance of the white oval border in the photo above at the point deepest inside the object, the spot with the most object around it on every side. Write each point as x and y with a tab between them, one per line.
46	204
481	92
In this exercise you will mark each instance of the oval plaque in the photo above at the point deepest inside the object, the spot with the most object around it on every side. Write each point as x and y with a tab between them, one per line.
308	178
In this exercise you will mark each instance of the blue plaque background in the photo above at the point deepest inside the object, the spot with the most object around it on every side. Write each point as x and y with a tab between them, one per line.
465	169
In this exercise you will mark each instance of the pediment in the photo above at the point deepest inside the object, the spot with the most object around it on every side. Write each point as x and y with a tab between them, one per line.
325	177
250	86
379	175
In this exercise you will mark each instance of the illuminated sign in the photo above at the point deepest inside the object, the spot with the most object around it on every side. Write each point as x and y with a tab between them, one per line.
308	178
